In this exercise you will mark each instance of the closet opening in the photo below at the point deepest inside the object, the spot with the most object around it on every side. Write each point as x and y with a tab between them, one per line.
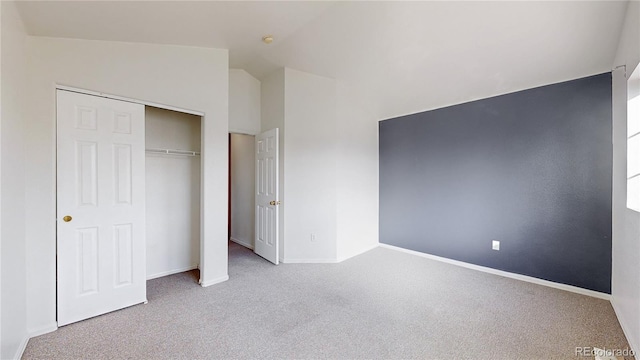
242	177
173	193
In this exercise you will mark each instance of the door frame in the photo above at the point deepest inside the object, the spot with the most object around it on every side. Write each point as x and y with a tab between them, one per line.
202	264
230	220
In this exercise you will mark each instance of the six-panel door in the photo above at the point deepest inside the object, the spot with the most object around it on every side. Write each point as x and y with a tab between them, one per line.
266	240
101	205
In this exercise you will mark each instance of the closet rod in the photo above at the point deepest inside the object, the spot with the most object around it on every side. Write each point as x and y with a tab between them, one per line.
173	152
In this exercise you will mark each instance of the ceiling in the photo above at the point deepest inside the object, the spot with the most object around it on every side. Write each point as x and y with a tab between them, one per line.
404	57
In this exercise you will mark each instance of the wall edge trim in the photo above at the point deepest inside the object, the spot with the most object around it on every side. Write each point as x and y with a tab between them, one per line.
530	279
43	330
171	272
215	281
635	347
22	347
360	252
309	261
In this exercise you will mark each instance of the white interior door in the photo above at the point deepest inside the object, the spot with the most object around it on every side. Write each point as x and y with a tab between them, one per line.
267	203
101	206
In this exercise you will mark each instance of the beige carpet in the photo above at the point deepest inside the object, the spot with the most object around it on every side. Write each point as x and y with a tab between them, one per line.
380	305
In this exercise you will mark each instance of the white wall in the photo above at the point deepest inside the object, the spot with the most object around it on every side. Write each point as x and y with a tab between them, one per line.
243	179
272	116
173	193
13	282
329	148
0	179
357	174
244	103
244	118
310	163
625	281
186	77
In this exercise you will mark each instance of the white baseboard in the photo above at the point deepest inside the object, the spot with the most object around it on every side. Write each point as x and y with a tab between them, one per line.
241	242
43	330
171	272
530	279
327	261
214	281
21	348
359	252
309	261
635	346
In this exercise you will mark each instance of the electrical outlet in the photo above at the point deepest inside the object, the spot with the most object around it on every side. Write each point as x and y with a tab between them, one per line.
495	245
313	237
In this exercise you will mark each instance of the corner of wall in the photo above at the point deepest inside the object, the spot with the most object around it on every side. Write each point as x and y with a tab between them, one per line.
357	168
1	176
625	279
21	348
634	343
13	284
214	281
51	327
310	161
244	103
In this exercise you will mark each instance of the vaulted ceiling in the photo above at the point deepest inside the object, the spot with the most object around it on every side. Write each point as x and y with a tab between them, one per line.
403	56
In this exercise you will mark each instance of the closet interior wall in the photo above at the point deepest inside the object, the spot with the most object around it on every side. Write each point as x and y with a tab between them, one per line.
173	192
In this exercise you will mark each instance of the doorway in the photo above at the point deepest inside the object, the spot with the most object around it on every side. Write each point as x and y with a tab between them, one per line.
253	192
173	171
242	177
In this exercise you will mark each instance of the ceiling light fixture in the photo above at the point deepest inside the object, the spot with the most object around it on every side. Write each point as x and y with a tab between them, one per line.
267	39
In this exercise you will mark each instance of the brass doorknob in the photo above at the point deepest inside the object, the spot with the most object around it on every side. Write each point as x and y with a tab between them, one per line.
67	218
273	202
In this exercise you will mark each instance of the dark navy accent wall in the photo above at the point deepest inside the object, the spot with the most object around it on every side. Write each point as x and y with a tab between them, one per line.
531	169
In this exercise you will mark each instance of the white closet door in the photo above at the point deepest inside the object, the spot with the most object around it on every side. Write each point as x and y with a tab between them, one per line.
101	206
267	203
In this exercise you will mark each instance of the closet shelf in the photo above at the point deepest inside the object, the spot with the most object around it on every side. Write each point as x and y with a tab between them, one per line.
173	152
